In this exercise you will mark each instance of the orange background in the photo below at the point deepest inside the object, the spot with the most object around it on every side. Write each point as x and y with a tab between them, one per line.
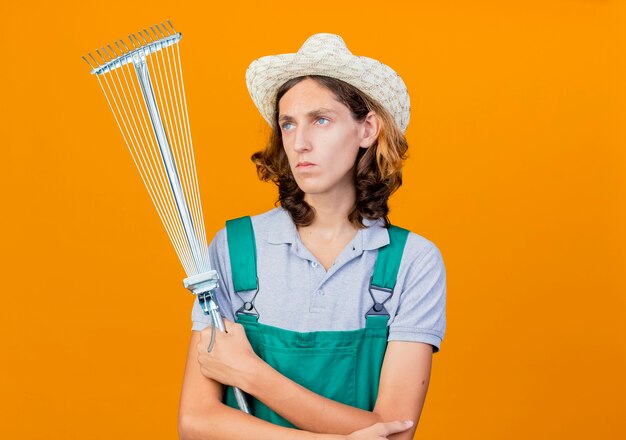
517	173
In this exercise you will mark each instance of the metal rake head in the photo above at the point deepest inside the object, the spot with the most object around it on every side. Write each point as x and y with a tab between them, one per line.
146	95
140	45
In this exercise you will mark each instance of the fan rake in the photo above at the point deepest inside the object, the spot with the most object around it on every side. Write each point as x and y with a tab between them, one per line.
142	81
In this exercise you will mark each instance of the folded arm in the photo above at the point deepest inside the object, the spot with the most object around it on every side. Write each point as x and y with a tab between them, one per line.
203	416
403	384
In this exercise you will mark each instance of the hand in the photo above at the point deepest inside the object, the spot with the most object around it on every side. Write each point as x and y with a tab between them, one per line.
231	359
380	430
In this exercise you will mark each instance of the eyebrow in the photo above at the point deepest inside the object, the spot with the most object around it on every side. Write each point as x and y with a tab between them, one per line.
311	114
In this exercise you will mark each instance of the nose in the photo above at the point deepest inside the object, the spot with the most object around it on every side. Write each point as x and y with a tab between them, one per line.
301	139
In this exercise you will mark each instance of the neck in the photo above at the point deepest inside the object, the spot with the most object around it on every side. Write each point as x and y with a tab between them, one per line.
331	211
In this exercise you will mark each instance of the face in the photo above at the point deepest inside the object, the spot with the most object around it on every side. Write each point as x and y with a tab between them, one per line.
320	137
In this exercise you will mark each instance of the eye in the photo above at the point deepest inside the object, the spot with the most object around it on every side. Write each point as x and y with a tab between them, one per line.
322	119
286	126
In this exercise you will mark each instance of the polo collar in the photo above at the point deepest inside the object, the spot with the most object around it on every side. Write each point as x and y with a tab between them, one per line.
375	235
284	231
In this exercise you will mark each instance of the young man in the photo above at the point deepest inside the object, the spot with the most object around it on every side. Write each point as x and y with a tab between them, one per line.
332	313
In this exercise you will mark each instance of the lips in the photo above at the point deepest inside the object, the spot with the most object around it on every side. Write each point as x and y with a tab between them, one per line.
304	165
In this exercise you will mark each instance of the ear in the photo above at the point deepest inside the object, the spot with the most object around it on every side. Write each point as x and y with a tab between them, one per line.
370	128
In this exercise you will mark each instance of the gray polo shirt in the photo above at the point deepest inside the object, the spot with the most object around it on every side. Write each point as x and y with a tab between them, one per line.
296	292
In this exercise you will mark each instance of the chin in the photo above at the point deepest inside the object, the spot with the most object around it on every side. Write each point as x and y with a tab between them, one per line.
308	186
311	191
314	187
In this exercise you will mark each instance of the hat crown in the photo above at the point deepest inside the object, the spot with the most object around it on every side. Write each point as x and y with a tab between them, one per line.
324	42
326	54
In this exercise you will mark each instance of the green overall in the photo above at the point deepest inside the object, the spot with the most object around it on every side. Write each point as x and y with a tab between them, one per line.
340	365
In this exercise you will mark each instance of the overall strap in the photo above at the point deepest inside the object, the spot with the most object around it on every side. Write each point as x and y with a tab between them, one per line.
242	251
386	270
389	259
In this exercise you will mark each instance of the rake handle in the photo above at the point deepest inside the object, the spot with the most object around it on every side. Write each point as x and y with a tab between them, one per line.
212	308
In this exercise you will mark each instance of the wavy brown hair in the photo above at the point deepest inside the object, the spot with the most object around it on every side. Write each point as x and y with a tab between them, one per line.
377	171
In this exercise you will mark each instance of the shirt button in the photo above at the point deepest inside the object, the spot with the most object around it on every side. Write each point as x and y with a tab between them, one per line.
314	264
320	292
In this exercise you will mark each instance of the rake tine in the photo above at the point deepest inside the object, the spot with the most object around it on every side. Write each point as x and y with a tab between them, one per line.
94	60
87	61
106	53
160	31
142	37
112	50
147	34
124	44
104	61
120	48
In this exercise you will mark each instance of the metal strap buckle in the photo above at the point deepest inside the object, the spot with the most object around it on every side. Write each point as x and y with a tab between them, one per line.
378	309
248	306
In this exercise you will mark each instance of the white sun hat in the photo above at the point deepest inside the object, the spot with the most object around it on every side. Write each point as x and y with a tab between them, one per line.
327	55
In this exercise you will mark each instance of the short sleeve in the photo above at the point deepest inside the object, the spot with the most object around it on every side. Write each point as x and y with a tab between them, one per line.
220	261
421	313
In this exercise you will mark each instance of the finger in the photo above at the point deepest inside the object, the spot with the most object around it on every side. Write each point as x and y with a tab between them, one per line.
389	428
